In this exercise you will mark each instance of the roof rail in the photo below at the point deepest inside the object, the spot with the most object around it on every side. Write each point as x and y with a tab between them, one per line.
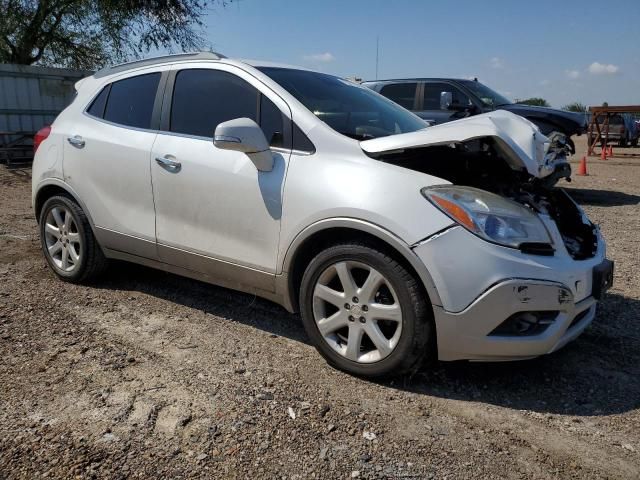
123	67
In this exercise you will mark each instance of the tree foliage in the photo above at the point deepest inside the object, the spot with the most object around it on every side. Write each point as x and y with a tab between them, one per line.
575	107
536	101
91	33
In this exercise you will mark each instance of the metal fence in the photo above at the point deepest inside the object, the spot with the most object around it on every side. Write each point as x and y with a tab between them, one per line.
31	97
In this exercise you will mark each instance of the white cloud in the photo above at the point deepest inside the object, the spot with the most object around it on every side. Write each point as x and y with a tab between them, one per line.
325	57
603	69
545	83
496	62
572	74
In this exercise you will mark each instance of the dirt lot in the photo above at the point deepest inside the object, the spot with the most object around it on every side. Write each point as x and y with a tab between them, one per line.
146	374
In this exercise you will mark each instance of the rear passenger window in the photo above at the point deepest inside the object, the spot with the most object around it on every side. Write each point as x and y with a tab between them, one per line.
401	93
131	101
202	99
97	106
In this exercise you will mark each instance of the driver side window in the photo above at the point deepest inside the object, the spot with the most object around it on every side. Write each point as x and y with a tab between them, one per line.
432	91
204	98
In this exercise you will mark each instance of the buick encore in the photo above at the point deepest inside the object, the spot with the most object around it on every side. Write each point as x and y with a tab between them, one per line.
395	241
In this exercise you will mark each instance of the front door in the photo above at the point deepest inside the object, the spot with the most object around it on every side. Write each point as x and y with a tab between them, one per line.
215	212
429	107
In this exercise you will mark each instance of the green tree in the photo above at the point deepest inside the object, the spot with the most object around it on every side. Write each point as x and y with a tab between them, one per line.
91	33
575	107
539	102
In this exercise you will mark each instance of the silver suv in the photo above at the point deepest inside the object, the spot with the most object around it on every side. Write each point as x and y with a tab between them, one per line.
396	242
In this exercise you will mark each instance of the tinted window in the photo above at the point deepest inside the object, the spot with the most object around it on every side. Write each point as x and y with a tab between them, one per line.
301	142
350	109
271	122
487	96
131	101
401	93
432	93
202	99
97	107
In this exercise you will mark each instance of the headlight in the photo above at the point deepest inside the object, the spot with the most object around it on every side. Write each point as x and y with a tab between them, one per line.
488	215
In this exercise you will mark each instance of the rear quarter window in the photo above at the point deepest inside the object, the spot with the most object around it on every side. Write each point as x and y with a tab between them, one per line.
96	108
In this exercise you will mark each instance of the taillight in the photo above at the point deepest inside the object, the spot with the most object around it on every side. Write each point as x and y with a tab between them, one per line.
41	136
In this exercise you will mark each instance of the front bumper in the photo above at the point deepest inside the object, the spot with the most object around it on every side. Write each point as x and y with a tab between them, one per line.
481	285
467	334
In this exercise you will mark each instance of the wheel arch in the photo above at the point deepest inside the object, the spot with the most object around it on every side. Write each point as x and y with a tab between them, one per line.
331	231
52	187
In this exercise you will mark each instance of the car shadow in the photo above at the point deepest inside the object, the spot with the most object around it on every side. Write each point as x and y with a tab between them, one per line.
241	307
595	375
605	198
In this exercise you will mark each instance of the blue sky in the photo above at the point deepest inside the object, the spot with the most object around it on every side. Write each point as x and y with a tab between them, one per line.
562	50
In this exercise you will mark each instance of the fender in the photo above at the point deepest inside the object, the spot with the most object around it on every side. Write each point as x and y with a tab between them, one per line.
65	186
355	224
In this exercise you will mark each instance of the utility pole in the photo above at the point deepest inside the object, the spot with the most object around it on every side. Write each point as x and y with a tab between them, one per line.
377	54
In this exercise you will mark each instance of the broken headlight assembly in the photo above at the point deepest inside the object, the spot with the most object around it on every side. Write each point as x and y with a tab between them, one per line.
492	217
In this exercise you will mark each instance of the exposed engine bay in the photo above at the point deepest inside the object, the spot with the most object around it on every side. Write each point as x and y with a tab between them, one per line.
478	163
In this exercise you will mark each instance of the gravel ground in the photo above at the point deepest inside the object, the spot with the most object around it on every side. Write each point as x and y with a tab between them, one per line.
146	374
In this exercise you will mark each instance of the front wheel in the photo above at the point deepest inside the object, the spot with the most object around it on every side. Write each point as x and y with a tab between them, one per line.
365	312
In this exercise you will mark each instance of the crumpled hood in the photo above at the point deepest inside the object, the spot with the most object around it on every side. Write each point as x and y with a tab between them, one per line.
519	140
579	120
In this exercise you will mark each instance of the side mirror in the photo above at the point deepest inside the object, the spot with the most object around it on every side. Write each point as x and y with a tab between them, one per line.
244	135
446	99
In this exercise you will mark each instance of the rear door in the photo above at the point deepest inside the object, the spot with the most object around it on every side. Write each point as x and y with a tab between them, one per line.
107	160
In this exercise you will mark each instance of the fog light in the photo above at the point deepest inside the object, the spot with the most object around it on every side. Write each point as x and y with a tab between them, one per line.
525	324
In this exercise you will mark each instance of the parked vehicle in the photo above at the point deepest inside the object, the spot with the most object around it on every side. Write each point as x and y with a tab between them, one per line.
396	242
439	100
617	130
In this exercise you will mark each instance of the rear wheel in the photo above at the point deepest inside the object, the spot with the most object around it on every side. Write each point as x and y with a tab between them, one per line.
365	312
67	241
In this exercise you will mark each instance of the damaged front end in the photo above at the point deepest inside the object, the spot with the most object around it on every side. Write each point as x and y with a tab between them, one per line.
505	156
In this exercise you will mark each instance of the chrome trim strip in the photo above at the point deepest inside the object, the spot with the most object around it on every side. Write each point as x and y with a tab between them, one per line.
113	240
230	273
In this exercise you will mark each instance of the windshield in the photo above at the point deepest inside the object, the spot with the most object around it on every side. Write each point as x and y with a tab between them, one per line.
488	97
349	109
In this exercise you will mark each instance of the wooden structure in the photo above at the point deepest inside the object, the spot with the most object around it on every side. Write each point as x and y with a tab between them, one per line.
602	130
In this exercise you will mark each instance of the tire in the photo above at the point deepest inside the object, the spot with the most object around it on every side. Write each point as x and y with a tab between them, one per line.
64	227
409	346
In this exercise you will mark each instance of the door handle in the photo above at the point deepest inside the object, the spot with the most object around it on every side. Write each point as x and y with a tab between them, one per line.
76	141
168	163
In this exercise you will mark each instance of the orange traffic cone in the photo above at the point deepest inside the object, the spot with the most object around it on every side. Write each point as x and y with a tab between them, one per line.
603	154
610	153
582	168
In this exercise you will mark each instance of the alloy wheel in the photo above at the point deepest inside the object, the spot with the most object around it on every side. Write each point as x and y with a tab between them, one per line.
62	239
357	311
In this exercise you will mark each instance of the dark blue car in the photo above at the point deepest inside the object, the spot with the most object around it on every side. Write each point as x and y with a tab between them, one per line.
439	100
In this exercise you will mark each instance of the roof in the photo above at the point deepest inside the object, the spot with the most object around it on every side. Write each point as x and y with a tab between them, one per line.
263	63
123	67
420	79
